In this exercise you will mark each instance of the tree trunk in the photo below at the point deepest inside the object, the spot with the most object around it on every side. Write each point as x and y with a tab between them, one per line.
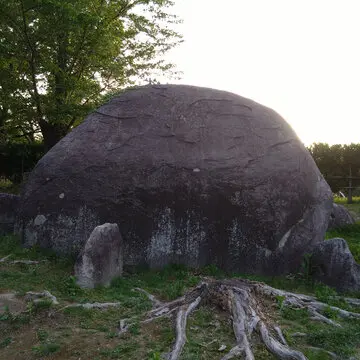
52	133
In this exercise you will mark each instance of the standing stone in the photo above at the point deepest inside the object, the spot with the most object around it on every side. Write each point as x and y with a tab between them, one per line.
333	264
339	217
8	208
191	175
101	260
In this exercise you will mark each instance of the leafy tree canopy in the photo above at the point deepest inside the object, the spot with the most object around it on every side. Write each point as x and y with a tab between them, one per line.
59	57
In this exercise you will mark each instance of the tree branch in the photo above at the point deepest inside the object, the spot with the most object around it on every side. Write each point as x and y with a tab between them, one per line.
32	64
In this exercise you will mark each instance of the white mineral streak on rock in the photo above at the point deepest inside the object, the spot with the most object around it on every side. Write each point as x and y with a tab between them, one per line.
235	240
284	239
168	245
77	227
162	239
195	236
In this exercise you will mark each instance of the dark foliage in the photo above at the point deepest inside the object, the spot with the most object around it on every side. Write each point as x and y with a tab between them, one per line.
336	162
19	158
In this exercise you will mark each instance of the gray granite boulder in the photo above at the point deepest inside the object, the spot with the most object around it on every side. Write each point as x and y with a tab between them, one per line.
8	208
101	259
339	217
191	175
333	264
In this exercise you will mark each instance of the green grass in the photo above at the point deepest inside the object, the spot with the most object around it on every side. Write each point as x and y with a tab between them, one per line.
47	332
55	274
353	208
209	329
122	351
343	341
5	342
343	201
45	349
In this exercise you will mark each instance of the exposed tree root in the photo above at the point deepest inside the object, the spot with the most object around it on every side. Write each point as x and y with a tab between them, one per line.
280	335
39	296
275	347
5	258
181	320
244	301
95	305
25	261
298	334
310	303
156	303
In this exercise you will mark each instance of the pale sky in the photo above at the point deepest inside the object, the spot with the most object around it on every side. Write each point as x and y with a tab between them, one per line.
299	57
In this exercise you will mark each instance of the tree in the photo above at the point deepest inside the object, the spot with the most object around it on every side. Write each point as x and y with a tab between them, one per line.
335	162
59	57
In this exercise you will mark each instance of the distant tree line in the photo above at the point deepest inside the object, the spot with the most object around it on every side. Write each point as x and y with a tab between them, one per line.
336	163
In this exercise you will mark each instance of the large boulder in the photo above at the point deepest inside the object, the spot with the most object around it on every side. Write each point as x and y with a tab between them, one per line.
191	175
8	208
101	259
339	217
333	264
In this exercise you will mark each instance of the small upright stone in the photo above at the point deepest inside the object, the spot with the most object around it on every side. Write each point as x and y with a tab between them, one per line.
339	217
101	259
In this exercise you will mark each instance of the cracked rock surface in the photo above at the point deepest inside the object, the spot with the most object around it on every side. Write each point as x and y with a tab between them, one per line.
339	217
190	175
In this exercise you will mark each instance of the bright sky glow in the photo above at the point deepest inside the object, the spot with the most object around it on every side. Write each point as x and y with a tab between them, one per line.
299	57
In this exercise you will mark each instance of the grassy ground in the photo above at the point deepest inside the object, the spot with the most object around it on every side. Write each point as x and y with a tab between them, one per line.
350	233
46	331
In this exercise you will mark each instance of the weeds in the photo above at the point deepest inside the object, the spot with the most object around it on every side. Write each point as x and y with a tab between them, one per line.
12	319
42	335
306	269
280	301
343	340
46	349
123	351
155	356
36	307
5	342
